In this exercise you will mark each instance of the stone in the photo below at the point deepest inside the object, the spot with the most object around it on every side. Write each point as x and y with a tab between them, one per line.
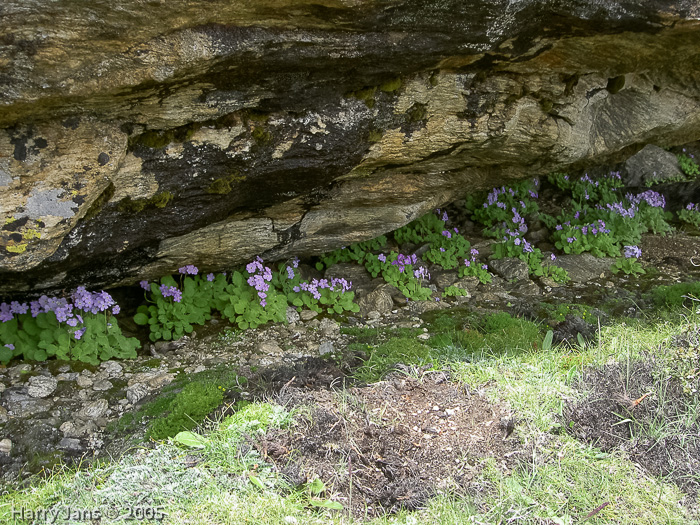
102	385
136	392
651	165
509	268
307	315
444	279
3	415
2	387
268	348
70	445
329	327
94	409
41	386
5	446
379	300
69	430
112	369
584	267
23	406
348	160
292	315
325	347
83	381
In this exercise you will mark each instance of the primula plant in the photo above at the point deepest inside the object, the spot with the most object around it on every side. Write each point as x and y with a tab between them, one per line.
690	214
602	221
332	294
83	329
503	213
174	308
688	165
629	264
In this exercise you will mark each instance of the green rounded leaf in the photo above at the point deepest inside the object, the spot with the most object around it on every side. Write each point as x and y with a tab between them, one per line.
141	319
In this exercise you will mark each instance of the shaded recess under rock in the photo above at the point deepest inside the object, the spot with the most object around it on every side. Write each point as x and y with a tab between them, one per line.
208	133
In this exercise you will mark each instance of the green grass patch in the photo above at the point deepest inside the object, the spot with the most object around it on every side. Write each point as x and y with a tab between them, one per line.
405	350
675	295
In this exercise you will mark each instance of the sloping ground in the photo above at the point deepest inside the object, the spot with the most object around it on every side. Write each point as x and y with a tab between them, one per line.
635	407
394	444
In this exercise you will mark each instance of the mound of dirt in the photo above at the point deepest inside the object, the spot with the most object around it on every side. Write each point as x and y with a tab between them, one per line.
636	409
393	444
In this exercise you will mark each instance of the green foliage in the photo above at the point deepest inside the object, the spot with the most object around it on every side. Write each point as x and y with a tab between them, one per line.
239	302
453	291
38	338
690	215
332	295
170	320
675	295
628	266
601	220
689	166
356	252
385	356
188	409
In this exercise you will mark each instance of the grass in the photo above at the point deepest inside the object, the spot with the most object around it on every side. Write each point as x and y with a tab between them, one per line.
562	481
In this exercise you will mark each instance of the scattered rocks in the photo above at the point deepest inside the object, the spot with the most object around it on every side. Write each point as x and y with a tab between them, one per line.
136	392
42	386
5	446
71	445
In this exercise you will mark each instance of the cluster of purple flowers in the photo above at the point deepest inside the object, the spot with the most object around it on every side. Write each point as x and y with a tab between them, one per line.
71	313
314	287
190	269
693	207
404	260
651	197
444	216
260	277
633	251
593	228
421	273
468	262
171	291
619	208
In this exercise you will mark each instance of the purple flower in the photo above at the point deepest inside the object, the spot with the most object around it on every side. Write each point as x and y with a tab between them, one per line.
484	267
467	263
10	346
447	234
527	247
517	241
72	322
442	249
116	309
210	277
558	227
79	333
177	295
189	270
290	272
553	257
632	251
444	216
474	252
381	257
5	313
295	262
570	239
533	194
145	285
296	289
18	308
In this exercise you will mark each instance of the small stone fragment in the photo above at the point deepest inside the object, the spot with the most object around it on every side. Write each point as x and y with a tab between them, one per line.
41	386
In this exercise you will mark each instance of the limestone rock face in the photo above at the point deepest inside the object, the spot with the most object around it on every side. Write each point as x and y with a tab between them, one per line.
140	137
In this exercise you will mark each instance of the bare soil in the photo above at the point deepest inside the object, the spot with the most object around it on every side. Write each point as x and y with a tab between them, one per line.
635	409
393	444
